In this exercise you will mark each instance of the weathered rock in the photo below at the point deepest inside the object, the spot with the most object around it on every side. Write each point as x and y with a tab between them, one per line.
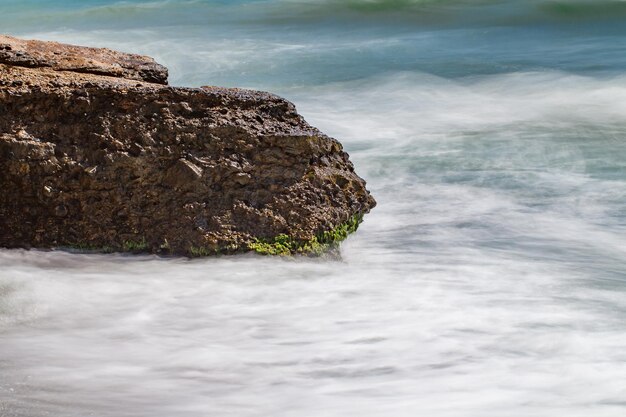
61	57
96	152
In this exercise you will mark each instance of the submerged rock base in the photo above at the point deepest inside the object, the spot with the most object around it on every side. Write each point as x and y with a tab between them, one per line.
97	152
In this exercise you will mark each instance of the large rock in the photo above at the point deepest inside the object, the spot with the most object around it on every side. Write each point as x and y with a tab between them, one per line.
97	152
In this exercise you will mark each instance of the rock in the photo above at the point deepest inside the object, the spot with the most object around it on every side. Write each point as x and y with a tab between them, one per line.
61	57
98	152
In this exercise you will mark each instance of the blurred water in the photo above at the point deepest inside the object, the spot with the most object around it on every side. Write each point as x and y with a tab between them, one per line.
489	281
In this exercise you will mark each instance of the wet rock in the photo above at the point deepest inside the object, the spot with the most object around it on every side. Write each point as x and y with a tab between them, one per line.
97	151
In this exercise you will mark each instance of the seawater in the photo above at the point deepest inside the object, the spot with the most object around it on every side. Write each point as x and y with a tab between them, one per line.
489	281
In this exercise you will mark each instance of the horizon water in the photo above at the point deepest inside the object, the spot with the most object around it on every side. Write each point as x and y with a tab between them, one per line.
490	280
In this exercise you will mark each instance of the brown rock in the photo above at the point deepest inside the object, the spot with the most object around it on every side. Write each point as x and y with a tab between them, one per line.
96	151
183	173
61	57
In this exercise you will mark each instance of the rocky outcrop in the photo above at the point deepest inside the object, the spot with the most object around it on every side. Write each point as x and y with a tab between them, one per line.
97	152
61	57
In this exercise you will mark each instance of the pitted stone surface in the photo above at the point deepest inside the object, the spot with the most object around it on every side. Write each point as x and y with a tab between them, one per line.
98	161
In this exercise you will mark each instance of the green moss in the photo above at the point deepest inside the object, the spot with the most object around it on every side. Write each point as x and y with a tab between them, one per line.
284	245
281	245
196	251
86	247
213	250
135	246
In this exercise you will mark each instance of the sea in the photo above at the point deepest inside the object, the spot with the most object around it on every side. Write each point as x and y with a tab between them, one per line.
490	280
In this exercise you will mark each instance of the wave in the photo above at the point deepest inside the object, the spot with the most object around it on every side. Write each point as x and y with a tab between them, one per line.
418	105
548	137
522	164
423	13
584	9
561	7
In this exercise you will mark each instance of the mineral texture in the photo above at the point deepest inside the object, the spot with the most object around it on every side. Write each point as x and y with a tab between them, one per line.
97	152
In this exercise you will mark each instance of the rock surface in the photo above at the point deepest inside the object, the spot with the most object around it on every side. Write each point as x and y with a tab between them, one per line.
97	152
61	57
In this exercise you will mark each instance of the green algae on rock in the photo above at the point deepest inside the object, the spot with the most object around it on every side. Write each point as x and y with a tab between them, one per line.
316	245
97	151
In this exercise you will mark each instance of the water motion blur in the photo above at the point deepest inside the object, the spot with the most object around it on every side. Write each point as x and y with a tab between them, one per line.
490	280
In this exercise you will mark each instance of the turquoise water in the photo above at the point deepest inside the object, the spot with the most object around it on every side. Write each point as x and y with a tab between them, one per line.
489	281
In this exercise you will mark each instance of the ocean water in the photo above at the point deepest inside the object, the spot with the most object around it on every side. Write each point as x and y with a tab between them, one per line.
489	281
